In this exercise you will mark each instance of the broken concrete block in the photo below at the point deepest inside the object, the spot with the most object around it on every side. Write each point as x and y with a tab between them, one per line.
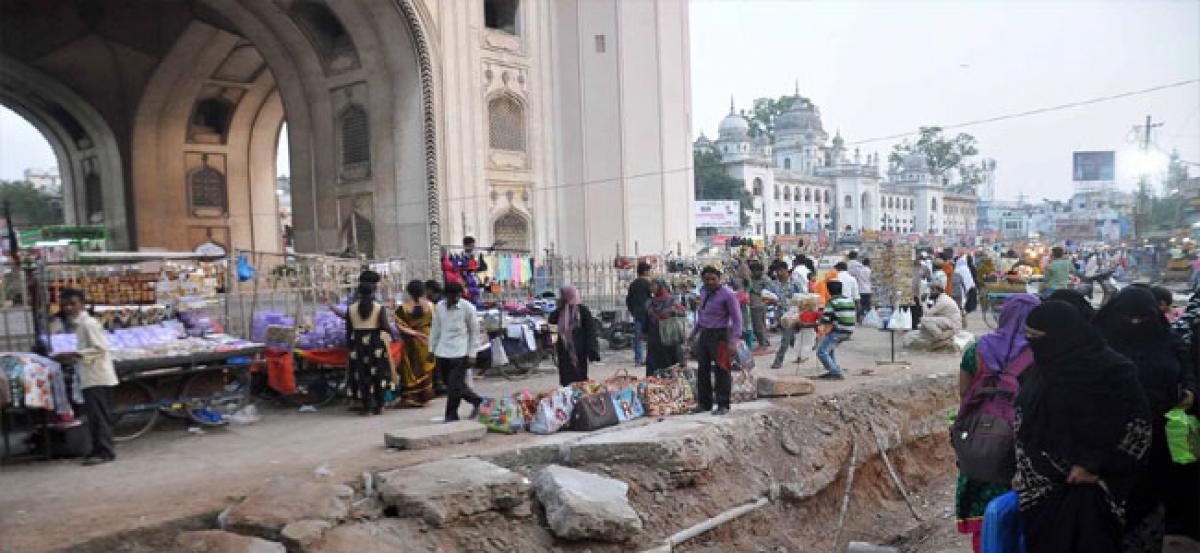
586	506
423	437
794	491
442	491
784	385
863	547
380	536
284	500
299	534
219	541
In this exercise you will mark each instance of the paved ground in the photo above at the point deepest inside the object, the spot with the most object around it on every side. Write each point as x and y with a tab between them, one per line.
171	474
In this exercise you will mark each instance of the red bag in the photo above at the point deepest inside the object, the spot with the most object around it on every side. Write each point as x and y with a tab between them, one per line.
724	356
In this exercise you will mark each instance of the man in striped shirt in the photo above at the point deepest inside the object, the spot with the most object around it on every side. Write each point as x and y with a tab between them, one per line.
841	314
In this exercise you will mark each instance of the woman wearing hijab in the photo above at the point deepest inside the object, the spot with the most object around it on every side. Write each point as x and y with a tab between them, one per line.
367	333
1083	432
576	337
1183	512
1135	328
964	288
1076	299
1004	349
660	307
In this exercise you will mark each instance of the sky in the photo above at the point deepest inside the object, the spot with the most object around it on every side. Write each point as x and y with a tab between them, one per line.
877	69
882	68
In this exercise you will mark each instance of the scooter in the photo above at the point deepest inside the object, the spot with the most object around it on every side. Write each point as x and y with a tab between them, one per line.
618	333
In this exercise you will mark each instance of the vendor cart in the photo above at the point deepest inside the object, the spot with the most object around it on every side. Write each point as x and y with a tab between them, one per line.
205	388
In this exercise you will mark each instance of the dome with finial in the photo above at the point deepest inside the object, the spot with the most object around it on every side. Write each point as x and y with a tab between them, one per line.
838	141
734	127
801	117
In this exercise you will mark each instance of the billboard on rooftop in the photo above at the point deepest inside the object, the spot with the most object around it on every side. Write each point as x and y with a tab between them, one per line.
1094	166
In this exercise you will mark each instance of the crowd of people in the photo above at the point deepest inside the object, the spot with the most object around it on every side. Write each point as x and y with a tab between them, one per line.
1089	457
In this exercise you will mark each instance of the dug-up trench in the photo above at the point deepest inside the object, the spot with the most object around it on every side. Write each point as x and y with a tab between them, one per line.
685	470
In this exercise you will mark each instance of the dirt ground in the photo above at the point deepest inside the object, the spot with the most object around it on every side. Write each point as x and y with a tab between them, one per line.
171	474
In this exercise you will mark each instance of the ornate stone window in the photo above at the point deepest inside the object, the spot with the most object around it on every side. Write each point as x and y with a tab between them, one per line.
511	231
354	133
206	192
506	124
757	186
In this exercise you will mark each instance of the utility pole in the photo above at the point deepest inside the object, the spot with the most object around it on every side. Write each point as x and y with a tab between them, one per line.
1139	215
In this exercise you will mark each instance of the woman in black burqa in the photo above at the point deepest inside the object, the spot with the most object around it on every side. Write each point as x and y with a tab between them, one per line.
1134	326
1083	431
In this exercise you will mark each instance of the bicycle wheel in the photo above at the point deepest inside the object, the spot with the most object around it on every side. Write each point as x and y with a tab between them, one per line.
134	411
319	389
224	391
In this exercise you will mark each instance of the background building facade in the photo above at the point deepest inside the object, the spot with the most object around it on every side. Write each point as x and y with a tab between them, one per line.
803	182
411	123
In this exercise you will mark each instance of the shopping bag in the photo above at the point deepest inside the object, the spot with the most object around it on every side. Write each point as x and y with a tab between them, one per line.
593	412
901	318
553	411
627	404
745	358
673	394
745	388
587	388
499	356
871	319
1183	436
619	380
528	403
672	331
724	356
1002	526
501	415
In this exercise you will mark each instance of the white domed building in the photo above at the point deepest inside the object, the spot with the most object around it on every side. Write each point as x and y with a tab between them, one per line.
803	182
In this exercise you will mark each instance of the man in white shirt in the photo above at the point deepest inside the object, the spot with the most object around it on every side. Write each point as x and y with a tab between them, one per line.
849	283
452	343
93	361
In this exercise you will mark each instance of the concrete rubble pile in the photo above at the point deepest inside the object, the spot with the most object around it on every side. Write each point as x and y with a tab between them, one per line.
629	488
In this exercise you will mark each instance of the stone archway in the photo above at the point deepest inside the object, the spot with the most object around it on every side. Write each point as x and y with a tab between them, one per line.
510	231
88	153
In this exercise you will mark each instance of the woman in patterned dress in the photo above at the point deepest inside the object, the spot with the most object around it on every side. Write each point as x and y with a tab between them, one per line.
1083	434
1004	349
367	330
415	318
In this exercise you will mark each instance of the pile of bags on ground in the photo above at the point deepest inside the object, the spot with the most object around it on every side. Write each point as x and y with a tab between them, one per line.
592	405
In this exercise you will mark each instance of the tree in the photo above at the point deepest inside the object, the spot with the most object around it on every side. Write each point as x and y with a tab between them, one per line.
762	116
713	183
30	206
943	155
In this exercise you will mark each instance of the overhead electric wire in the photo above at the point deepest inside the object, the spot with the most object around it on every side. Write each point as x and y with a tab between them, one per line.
1038	111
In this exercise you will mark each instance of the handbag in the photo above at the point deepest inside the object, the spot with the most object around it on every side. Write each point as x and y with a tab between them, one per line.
553	411
724	356
1183	436
745	358
627	404
1002	526
593	412
745	388
673	394
672	331
502	415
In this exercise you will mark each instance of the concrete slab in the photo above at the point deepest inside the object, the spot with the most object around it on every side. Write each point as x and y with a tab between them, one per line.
443	491
423	437
585	506
282	501
785	385
218	541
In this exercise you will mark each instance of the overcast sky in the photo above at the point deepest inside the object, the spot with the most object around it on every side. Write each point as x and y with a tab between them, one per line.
882	68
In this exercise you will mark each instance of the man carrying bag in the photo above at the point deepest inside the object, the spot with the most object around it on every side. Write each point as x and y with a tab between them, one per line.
716	335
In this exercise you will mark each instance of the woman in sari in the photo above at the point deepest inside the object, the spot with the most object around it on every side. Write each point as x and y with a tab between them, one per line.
660	307
1135	327
415	318
1004	349
1083	433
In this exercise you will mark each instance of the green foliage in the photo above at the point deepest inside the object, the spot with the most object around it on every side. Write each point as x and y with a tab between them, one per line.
942	154
30	206
762	116
713	183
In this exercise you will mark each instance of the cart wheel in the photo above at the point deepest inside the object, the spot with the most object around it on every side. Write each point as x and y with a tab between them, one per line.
134	411
320	390
989	317
224	391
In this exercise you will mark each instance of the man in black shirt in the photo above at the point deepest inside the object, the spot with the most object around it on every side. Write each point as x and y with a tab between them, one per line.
635	300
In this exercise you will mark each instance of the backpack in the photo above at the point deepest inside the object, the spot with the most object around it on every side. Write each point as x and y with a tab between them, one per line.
982	434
